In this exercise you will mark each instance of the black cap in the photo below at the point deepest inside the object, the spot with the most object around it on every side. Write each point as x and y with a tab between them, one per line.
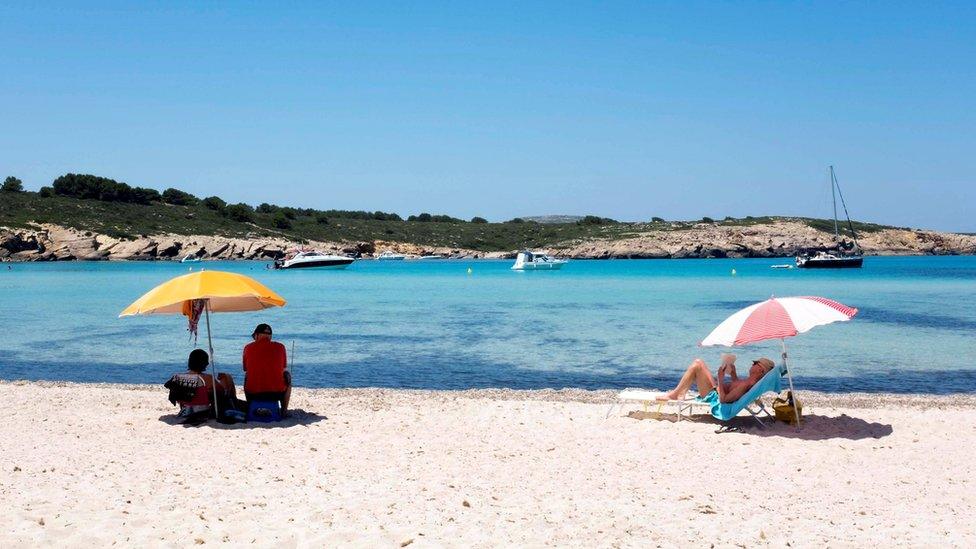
261	329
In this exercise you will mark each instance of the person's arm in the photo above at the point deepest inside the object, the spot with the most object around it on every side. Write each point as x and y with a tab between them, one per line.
720	383
735	392
733	374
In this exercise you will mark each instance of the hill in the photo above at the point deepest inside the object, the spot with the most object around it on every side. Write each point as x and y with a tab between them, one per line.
116	221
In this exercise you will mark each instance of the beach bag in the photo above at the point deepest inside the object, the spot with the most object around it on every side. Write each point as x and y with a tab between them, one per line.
783	409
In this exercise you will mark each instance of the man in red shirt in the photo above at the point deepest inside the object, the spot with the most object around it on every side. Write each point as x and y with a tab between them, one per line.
266	375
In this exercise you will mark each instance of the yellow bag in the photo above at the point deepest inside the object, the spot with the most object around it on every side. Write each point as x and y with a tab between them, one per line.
784	408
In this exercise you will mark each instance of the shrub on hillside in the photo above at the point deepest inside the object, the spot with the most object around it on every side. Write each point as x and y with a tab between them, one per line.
516	220
657	219
45	192
479	220
707	219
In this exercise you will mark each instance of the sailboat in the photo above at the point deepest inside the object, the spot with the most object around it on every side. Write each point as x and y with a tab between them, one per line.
839	260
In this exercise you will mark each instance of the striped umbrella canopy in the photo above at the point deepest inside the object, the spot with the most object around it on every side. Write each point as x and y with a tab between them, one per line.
778	318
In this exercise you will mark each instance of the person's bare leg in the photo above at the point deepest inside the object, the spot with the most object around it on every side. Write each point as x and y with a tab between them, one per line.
284	401
704	380
696	372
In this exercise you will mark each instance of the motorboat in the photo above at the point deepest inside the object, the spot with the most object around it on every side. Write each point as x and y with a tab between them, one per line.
431	256
190	258
824	259
536	261
312	259
390	256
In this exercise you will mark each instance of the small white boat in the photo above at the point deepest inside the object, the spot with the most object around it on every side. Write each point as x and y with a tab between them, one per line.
536	261
390	256
190	258
431	256
784	266
312	259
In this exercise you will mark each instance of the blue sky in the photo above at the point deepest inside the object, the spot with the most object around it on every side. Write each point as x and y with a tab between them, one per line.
626	110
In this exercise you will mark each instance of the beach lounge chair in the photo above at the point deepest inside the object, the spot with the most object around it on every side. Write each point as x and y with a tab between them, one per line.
646	398
722	411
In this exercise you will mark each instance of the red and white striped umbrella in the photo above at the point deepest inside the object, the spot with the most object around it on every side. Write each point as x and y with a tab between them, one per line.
778	318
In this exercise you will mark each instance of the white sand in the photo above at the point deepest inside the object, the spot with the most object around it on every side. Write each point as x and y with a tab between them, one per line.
103	465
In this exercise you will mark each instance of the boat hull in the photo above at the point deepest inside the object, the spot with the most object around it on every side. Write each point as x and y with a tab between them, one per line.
539	267
832	263
324	264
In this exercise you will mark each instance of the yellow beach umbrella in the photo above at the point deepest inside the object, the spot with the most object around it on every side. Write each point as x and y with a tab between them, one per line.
216	291
224	292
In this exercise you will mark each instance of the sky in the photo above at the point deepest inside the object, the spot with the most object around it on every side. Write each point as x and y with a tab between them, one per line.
624	110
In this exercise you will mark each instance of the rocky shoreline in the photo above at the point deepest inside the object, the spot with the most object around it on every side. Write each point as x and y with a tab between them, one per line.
45	242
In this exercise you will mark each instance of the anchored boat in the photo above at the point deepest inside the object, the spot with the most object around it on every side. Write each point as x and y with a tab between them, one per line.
536	261
312	259
831	260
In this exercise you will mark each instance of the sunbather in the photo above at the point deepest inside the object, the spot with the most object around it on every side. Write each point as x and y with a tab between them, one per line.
193	390
719	391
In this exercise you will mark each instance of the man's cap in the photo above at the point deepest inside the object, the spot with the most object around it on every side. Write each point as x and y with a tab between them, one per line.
766	363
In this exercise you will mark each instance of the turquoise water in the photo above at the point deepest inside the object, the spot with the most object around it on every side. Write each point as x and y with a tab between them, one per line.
595	324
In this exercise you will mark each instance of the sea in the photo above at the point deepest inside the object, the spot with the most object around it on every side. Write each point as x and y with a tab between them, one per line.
458	324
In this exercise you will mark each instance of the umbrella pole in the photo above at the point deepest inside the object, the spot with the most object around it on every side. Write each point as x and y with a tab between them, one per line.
212	361
789	374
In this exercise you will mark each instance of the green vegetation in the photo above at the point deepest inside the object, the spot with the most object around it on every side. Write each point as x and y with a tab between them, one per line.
12	185
99	204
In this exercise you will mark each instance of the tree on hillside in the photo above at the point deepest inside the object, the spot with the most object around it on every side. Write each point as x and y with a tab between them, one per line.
45	192
240	212
477	219
178	197
93	187
266	208
214	203
12	185
280	221
595	220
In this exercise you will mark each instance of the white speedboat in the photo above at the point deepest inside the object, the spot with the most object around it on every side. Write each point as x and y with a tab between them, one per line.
431	256
536	261
306	260
190	258
390	256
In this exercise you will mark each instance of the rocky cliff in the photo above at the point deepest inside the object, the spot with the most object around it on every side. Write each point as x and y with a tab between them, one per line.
55	243
780	239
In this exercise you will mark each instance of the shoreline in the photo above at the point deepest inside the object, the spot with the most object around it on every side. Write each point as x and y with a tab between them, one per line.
853	400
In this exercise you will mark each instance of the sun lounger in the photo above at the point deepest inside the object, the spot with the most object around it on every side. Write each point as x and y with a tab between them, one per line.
722	411
646	398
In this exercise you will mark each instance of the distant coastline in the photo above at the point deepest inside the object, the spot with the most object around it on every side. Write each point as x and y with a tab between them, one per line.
779	239
86	217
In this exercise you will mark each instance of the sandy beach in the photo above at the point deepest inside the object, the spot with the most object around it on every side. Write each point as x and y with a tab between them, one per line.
108	465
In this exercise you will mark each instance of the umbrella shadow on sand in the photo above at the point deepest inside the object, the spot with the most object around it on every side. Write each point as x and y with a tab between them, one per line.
815	427
295	417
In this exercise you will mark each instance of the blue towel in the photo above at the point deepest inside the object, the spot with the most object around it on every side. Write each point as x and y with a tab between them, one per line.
724	411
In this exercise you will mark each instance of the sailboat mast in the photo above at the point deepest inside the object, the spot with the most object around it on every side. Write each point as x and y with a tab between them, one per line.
833	193
844	204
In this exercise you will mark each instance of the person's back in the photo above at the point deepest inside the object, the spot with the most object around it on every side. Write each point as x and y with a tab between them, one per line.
265	365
